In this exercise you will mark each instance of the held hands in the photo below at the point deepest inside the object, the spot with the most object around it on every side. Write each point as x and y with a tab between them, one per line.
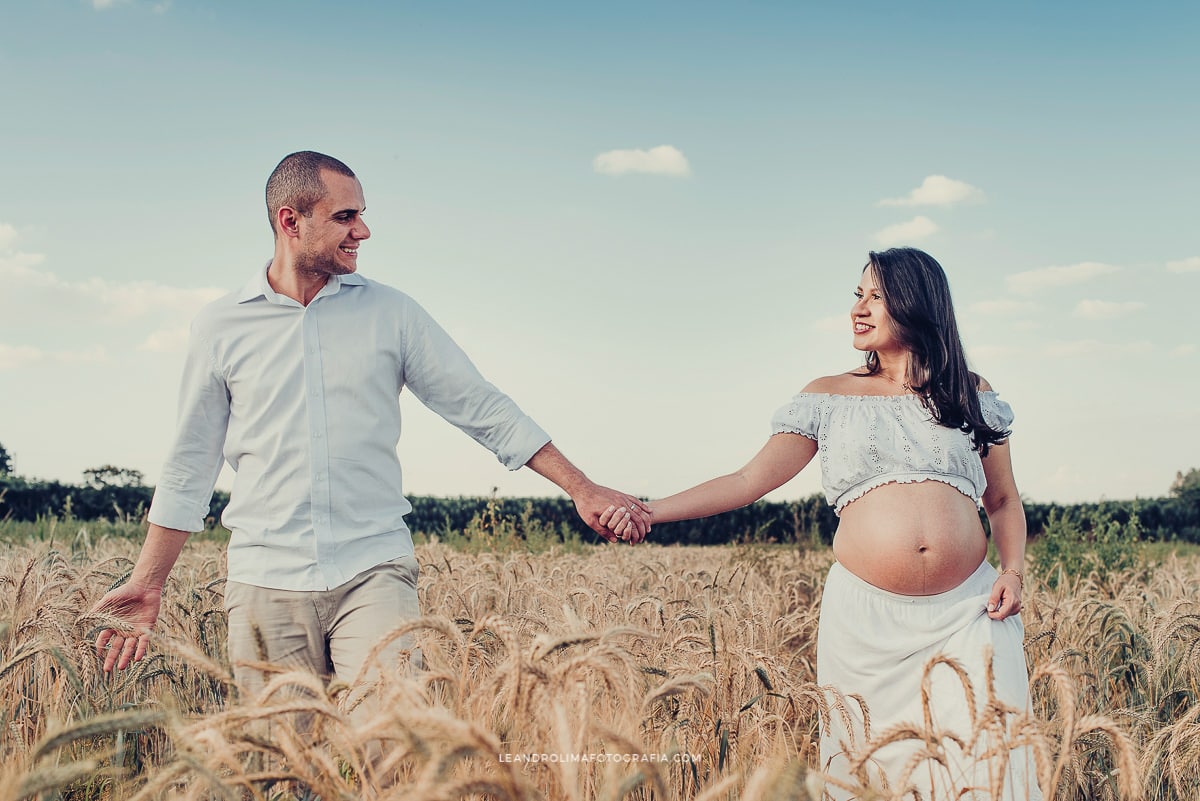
593	504
138	609
1005	599
622	522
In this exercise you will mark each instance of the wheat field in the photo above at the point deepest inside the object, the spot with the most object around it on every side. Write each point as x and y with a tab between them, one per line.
602	673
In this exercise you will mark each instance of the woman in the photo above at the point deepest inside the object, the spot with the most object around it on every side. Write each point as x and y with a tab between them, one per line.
909	444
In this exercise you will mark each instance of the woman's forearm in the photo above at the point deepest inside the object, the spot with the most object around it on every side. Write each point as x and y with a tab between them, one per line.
1009	533
712	497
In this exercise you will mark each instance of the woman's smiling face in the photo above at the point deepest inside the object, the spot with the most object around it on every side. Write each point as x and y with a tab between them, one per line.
872	325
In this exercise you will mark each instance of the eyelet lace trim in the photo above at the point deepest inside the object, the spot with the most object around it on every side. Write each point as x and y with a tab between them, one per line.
961	484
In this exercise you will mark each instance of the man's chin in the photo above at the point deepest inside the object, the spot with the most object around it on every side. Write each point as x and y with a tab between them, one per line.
332	268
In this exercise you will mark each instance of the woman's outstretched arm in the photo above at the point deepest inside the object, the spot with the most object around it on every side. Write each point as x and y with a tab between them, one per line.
779	461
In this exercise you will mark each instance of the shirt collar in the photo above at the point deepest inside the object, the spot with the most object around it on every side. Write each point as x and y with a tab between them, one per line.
259	287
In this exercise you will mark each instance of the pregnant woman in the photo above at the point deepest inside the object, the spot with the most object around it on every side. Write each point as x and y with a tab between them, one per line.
909	444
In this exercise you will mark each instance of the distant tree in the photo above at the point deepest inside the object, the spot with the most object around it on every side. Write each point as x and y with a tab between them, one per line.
110	476
1187	487
5	461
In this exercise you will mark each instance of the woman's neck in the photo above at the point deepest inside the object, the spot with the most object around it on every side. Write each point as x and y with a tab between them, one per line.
893	366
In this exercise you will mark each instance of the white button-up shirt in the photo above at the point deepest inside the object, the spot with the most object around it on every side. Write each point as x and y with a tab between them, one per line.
303	403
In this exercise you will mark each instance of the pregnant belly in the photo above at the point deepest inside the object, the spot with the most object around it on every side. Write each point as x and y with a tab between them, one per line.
912	539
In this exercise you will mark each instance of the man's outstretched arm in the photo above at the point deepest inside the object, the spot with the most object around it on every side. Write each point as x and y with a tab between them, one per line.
591	499
138	600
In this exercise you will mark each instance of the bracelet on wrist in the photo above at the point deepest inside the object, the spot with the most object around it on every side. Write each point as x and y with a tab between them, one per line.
1014	572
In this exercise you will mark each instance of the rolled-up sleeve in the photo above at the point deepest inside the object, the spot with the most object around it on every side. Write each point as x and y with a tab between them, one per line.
443	378
185	487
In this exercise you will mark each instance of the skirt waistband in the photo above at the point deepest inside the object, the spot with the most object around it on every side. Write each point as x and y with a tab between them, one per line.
979	581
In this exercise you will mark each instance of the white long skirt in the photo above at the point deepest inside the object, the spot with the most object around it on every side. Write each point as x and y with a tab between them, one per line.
878	645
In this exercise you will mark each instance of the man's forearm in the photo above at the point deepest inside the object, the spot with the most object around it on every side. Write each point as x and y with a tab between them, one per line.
159	553
590	498
550	463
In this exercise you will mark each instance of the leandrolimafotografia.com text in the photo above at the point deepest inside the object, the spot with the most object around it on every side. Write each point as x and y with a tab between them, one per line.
572	758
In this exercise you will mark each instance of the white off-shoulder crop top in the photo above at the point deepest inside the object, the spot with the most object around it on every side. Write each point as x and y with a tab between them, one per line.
866	441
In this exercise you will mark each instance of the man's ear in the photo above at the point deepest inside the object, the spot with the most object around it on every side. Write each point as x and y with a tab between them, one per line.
287	221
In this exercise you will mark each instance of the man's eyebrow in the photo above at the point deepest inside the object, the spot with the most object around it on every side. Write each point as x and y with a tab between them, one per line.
350	211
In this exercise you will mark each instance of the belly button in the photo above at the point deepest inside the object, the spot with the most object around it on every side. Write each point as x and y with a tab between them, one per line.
922	548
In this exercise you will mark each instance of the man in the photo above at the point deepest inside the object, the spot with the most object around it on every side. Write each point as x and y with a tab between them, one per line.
295	380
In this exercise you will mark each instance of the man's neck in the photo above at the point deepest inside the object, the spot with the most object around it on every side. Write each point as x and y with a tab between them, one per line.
286	280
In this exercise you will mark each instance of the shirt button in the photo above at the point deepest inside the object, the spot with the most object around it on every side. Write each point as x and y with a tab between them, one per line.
316	435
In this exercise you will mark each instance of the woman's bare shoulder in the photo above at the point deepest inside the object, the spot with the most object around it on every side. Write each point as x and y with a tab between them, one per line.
848	383
982	384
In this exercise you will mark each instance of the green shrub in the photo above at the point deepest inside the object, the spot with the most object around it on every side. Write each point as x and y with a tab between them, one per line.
1076	545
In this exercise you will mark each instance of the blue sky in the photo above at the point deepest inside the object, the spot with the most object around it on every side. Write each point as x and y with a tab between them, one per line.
643	221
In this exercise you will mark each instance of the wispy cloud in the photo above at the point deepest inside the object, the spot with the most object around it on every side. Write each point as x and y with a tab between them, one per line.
1002	307
661	160
1094	347
1106	309
166	340
992	353
1184	350
1048	277
833	324
117	299
938	190
8	236
1191	265
914	230
104	5
13	357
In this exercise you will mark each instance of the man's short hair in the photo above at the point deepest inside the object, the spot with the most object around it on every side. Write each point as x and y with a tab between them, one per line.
296	182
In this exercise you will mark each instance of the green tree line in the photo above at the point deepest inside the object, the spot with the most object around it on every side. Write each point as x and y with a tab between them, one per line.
110	492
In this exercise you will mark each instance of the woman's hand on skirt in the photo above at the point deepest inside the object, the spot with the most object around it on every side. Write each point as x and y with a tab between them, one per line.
1005	599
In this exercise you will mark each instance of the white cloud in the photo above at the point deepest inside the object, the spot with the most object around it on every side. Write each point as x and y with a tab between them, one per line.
1047	277
833	324
8	236
1191	265
992	353
13	357
18	269
93	355
1002	307
143	297
121	300
1093	347
166	340
161	7
661	160
1106	309
914	230
938	190
1184	350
